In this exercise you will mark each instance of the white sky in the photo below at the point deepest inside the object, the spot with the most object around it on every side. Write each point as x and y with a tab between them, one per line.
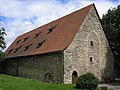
20	16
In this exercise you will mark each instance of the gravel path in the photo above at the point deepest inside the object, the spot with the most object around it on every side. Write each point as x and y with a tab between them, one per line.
114	86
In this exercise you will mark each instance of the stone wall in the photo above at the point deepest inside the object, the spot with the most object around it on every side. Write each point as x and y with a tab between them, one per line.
89	51
46	67
1	67
10	67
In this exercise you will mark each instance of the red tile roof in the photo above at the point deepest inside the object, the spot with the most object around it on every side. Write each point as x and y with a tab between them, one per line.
54	36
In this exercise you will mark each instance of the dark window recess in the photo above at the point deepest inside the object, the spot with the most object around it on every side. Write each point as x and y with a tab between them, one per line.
17	49
27	47
33	59
10	51
40	44
49	76
91	43
18	41
25	39
91	60
51	29
36	35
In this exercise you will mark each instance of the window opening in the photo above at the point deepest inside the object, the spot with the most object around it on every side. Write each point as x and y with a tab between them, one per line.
36	35
51	29
27	47
18	41
25	39
33	59
91	43
40	44
91	59
17	49
48	78
10	51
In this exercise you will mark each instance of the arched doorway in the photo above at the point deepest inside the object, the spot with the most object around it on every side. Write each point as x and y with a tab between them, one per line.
74	76
48	78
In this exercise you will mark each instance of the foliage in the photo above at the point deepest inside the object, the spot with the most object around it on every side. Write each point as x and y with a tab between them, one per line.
87	81
2	56
111	24
2	43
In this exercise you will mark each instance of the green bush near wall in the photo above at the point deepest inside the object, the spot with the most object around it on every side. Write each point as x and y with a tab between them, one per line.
87	81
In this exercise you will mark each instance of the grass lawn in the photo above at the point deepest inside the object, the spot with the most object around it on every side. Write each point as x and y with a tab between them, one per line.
18	83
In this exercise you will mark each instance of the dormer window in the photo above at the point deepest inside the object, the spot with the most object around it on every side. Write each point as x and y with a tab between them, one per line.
25	39
36	35
51	29
10	51
17	49
27	47
18	41
40	44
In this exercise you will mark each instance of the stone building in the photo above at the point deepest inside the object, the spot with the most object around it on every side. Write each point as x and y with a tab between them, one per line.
63	49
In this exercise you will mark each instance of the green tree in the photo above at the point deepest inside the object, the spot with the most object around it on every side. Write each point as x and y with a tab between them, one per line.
111	25
2	43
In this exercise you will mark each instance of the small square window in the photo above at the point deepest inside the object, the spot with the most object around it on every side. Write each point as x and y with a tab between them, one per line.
91	43
91	59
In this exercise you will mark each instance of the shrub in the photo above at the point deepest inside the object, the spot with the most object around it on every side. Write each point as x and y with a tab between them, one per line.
87	81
